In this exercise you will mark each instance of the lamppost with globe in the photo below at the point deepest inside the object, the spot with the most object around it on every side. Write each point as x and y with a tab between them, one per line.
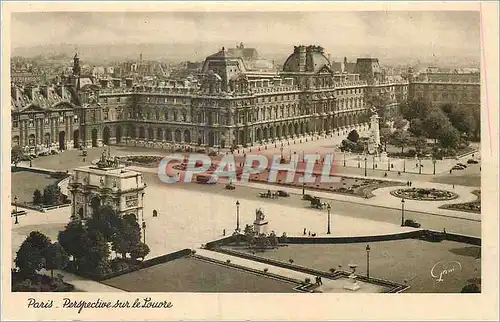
402	212
365	166
144	229
368	261
434	164
15	210
237	215
329	208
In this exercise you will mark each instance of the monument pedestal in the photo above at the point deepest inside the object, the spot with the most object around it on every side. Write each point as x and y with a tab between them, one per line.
260	224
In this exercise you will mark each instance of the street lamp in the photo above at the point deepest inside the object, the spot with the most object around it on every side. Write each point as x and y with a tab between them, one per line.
419	166
373	164
404	165
434	164
303	188
328	207
344	158
237	216
402	212
368	261
388	164
144	228
15	209
365	166
281	149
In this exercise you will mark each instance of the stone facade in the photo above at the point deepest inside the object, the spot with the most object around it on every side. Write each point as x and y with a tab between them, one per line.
229	105
112	185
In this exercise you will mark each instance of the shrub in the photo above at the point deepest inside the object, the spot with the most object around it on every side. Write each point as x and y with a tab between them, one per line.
59	175
266	270
307	280
228	261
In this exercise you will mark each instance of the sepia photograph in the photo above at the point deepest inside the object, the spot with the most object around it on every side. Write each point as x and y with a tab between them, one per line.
249	151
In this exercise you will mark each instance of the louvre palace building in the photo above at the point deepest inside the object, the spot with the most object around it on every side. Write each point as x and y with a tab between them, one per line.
229	104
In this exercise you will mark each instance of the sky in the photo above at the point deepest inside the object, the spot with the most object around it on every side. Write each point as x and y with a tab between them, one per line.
440	32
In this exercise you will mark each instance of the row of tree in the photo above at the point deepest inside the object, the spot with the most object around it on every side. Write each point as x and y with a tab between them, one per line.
37	252
52	195
446	124
88	241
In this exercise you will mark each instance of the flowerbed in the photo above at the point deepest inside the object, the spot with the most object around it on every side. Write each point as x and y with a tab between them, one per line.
424	194
473	206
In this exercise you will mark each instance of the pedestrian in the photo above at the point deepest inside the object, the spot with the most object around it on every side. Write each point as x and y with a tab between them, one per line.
320	281
451	170
453	186
411	183
444	230
309	233
399	173
223	232
304	231
385	174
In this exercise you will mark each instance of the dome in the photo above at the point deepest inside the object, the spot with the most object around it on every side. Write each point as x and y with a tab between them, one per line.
306	59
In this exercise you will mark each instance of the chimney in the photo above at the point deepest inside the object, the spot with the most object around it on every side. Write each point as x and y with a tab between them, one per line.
104	83
129	82
45	90
15	93
302	58
31	91
117	82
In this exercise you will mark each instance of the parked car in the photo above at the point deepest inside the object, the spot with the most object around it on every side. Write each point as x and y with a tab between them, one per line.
462	165
412	223
282	193
307	197
472	161
457	167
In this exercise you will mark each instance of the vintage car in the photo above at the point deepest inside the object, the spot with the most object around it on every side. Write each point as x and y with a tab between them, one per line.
283	193
316	203
472	161
230	186
412	223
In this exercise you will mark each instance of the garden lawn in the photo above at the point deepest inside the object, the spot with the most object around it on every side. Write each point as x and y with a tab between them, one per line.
193	275
24	183
400	260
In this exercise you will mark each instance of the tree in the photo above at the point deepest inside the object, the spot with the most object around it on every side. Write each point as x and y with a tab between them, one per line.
385	135
420	143
30	257
96	258
56	258
401	138
449	137
434	123
37	197
16	155
353	136
415	109
400	123
74	239
105	220
249	234
140	251
471	288
379	102
129	236
461	117
347	145
52	194
416	127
